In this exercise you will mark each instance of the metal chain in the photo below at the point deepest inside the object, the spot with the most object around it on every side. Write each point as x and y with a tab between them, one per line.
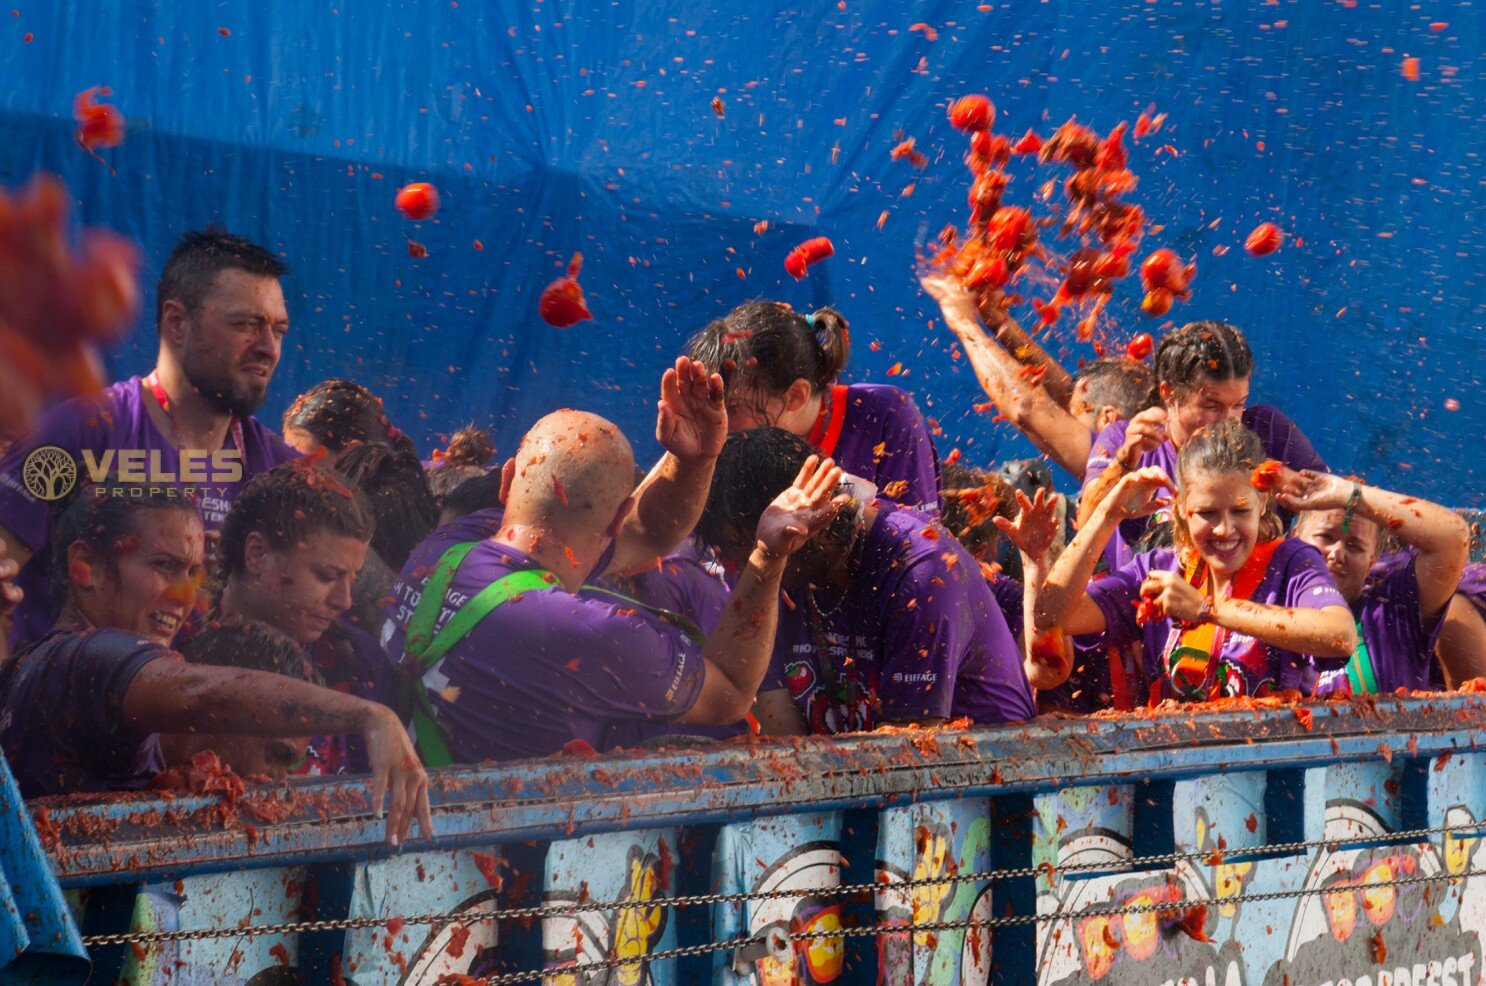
1211	856
1007	921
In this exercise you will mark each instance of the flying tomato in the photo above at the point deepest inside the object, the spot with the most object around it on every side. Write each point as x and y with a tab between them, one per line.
972	113
418	200
812	251
562	303
1266	238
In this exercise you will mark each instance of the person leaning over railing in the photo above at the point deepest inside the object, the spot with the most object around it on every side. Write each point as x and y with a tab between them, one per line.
293	550
509	655
1236	609
887	618
1398	606
83	709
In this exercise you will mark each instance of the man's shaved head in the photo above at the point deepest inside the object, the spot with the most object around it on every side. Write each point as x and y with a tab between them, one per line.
572	470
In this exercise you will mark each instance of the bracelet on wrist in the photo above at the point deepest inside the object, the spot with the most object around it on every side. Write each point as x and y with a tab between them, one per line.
1351	509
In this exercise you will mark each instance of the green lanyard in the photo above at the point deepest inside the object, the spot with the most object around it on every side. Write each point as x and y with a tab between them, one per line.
426	649
1360	673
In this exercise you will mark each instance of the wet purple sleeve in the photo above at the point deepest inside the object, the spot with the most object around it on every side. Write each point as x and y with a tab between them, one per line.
1106	444
1308	585
912	457
71	426
93	690
1009	594
1116	594
1282	440
923	645
652	670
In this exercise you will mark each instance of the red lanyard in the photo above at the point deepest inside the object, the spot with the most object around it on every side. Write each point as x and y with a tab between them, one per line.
157	390
827	429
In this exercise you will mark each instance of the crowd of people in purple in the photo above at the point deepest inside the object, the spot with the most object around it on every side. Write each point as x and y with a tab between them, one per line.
797	562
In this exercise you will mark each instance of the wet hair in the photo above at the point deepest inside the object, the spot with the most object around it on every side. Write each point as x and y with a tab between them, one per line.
1215	350
1119	382
288	505
254	646
199	256
340	413
396	486
103	518
1224	448
466	457
469	446
756	466
480	493
766	346
971	498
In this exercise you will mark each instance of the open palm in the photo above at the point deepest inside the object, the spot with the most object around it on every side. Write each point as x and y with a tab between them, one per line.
803	510
691	422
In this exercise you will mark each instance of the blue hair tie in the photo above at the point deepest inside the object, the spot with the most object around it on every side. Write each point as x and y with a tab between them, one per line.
810	320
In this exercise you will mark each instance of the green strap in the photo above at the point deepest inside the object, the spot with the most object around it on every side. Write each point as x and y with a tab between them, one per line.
433	747
1360	673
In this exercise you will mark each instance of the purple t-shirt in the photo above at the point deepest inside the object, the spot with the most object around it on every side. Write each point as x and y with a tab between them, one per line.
61	710
1400	642
1473	586
1277	433
926	638
885	441
549	666
1296	578
107	425
684	584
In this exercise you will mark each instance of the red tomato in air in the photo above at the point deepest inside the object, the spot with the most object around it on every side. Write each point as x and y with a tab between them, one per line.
972	113
812	251
420	200
1157	303
1267	476
98	124
562	303
1029	144
1164	272
1266	238
1140	347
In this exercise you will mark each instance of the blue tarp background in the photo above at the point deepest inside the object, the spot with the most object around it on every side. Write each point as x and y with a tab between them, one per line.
554	126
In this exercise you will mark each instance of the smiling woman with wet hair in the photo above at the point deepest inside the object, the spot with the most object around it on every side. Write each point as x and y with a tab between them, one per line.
1235	609
83	709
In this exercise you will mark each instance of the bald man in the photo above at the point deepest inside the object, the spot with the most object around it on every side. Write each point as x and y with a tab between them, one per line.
518	658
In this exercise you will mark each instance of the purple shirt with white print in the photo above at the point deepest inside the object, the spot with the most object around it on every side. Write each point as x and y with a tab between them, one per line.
917	635
1296	577
123	441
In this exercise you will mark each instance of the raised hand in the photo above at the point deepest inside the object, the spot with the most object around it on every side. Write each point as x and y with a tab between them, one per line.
1311	490
803	510
1146	432
1035	529
948	290
691	422
1138	494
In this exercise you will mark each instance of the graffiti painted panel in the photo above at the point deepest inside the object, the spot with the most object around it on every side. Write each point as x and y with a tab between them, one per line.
619	866
921	842
466	884
794	852
227	900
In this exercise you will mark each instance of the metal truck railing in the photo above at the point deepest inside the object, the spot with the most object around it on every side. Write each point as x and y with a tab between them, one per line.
1330	842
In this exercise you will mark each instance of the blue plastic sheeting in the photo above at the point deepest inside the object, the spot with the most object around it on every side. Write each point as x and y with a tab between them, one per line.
552	127
38	940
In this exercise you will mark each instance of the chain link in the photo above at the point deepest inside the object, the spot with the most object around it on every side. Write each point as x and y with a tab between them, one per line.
1212	857
1006	921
